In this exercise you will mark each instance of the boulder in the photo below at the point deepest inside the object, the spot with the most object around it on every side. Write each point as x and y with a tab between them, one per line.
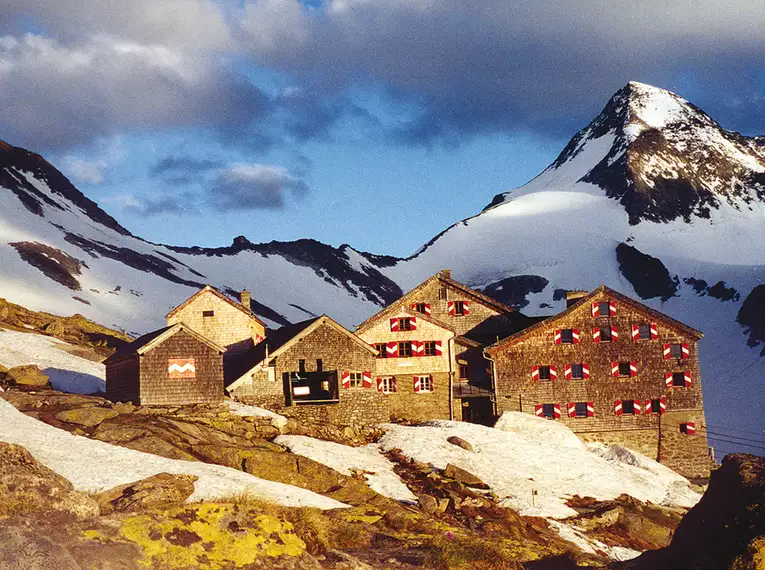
428	503
22	547
157	446
293	470
27	486
459	442
88	417
159	491
27	376
464	477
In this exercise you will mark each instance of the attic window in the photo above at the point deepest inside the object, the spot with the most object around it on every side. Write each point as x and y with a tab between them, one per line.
604	308
459	307
405	324
420	307
675	351
605	334
645	332
567	336
208	313
688	429
678	378
544	374
442	294
624	369
628	407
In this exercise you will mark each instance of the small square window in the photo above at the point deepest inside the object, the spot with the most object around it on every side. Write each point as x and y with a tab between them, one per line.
404	324
581	409
605	334
604	308
544	374
463	371
567	336
644	332
459	307
420	307
577	371
656	406
405	348
676	350
429	348
548	411
388	385
628	407
624	369
356	379
678	379
442	293
426	383
382	349
208	313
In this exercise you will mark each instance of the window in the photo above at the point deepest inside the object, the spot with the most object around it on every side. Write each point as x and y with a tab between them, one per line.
688	428
604	308
577	371
301	365
548	411
580	410
208	313
425	384
544	374
356	379
675	350
429	348
656	406
678	378
420	307
459	307
567	336
387	385
463	371
405	348
319	365
628	407
624	369
644	332
382	349
442	293
605	334
404	324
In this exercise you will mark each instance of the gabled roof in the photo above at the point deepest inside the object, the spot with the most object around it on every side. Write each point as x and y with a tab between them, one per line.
411	297
277	342
512	339
149	341
220	295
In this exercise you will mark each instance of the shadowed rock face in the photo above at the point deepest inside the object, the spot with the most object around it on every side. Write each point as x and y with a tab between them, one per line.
752	317
648	275
725	530
54	263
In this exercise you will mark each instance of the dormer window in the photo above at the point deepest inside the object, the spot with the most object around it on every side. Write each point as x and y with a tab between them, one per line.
458	308
604	309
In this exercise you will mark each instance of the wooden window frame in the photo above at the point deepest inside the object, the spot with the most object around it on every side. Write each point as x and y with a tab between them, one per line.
606	334
429	348
463	371
640	331
459	308
420	307
382	349
622	365
580	366
356	379
388	385
208	314
405	349
607	312
578	408
551	407
405	323
567	336
676	346
426	383
549	373
631	404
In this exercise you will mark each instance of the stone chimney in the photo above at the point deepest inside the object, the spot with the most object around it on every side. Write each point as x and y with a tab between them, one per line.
573	297
244	298
447	273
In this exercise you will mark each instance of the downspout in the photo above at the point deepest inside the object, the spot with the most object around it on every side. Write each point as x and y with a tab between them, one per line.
493	378
450	344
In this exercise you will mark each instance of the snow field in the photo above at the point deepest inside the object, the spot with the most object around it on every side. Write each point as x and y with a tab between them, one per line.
67	372
517	463
377	469
94	466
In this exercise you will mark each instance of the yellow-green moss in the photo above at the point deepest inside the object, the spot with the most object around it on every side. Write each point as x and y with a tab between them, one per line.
219	536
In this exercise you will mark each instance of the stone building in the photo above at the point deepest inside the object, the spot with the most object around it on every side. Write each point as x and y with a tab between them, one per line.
215	316
315	370
441	315
171	366
614	371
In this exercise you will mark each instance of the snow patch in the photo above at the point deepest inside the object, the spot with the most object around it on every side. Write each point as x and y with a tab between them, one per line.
253	411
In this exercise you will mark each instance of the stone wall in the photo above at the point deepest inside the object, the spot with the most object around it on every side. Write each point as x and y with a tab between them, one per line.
229	326
158	389
516	391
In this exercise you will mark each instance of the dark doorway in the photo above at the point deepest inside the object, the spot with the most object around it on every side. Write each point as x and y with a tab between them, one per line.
478	411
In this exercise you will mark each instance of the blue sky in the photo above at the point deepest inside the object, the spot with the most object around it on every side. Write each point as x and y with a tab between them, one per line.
375	123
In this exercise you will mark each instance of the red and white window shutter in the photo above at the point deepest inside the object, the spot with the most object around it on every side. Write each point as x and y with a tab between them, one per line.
450	308
596	334
647	410
687	379
465	307
572	409
614	369
633	368
413	323
417	384
590	409
575	335
345	379
181	368
686	350
635	332
618	407
654	331
585	370
612	308
418	348
366	378
391	349
553	373
556	411
596	309
636	405
690	428
567	371
394	324
557	336
380	384
439	348
538	410
667	352
614	333
668	379
662	405
535	373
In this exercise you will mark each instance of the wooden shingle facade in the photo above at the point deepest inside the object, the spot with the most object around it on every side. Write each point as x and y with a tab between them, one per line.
316	370
171	366
614	371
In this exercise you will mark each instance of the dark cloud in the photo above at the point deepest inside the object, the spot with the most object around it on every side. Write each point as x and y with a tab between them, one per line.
180	165
255	187
180	204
